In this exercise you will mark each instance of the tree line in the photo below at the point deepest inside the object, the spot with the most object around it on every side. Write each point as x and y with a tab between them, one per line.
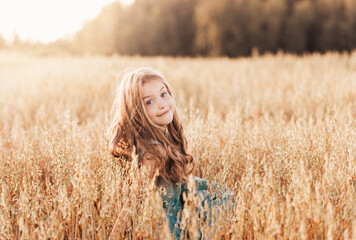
218	27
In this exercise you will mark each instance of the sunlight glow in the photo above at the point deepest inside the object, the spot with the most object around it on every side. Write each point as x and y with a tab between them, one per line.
47	20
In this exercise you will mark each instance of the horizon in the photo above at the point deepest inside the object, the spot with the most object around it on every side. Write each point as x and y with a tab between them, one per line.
42	21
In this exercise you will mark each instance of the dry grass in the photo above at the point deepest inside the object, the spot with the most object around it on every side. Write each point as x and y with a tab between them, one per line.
279	131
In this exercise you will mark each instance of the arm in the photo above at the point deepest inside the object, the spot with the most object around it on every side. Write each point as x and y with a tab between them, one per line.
117	230
120	223
204	185
149	162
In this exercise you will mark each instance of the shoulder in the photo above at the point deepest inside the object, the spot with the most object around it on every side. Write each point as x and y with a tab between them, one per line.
150	158
157	150
149	161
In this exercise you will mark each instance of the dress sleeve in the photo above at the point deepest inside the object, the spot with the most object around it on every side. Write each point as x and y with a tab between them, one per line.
212	192
210	195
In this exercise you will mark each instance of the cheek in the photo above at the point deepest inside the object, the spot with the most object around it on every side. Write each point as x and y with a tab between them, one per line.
173	105
151	111
171	102
148	110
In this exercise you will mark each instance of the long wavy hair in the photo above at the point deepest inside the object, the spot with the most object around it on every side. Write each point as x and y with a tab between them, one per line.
131	128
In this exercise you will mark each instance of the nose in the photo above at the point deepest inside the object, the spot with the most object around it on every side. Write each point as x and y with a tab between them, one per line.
161	104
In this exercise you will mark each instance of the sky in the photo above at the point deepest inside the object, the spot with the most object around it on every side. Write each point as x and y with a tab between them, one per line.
47	20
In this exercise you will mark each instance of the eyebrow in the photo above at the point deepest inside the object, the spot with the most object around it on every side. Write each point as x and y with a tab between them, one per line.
159	91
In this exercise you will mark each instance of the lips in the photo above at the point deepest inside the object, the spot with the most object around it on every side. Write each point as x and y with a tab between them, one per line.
164	113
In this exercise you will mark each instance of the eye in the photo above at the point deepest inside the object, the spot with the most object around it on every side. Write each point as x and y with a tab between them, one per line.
164	94
149	102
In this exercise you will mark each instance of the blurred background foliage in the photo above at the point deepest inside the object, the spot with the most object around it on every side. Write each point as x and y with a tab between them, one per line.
214	28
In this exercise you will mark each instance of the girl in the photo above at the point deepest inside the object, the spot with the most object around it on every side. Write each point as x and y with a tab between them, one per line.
146	119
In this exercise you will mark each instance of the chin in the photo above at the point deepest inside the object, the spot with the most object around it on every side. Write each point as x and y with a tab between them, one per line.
165	123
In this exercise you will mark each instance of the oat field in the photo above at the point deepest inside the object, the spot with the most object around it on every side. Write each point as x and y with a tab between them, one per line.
278	130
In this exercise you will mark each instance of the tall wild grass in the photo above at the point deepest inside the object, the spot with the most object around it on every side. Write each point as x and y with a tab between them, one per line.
278	130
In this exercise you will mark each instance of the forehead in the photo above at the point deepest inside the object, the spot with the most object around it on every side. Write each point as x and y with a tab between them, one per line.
152	87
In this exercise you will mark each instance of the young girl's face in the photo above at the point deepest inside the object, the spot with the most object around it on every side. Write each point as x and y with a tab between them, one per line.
158	103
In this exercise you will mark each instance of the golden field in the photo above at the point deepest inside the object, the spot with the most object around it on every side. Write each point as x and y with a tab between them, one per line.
278	130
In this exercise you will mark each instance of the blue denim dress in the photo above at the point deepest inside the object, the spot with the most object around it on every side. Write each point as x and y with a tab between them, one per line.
173	202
